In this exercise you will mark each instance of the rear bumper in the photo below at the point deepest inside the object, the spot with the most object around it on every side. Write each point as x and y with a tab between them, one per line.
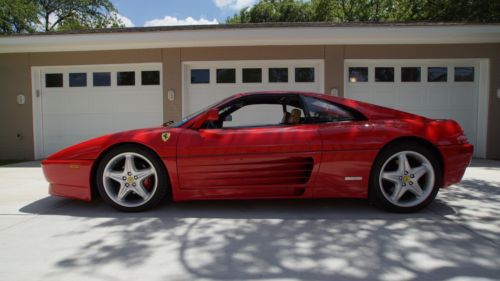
456	159
68	178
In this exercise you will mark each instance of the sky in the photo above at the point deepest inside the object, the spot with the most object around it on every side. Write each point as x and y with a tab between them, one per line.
177	12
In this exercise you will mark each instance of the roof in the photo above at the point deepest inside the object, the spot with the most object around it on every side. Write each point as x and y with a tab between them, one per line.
311	33
251	25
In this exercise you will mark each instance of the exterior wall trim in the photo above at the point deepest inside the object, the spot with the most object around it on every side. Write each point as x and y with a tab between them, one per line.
262	36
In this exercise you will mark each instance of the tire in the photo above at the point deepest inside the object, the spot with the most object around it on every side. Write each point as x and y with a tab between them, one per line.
402	189
131	179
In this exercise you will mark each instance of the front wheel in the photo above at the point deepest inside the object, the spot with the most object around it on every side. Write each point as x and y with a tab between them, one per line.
405	178
131	179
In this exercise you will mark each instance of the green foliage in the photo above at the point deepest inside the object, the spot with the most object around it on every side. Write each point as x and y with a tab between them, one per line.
274	11
17	16
369	10
22	16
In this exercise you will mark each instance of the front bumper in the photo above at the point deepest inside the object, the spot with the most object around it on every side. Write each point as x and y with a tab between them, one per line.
69	178
456	159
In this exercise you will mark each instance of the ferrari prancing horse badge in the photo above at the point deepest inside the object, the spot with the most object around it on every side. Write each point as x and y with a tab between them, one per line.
165	137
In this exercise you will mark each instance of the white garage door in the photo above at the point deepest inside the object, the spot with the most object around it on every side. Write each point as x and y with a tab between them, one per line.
208	82
436	89
81	102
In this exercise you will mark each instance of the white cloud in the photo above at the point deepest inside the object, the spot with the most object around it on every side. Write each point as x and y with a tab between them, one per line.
168	20
126	21
234	4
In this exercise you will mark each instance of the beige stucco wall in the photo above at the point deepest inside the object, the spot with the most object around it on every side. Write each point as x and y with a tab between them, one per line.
15	77
14	118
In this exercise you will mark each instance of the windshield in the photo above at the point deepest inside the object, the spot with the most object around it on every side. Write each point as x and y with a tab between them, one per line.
193	115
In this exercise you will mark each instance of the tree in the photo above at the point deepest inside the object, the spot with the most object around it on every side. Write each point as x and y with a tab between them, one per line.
370	10
17	16
24	16
80	14
274	11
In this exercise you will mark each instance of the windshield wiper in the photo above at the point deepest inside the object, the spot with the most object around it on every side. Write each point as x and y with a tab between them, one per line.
166	124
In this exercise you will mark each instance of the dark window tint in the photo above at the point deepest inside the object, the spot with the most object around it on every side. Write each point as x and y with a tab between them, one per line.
322	111
384	74
304	74
252	75
358	74
54	80
101	79
200	76
150	77
437	74
410	74
78	79
278	75
464	74
125	78
226	75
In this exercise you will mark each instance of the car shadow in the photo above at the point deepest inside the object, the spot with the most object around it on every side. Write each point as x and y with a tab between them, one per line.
328	239
233	209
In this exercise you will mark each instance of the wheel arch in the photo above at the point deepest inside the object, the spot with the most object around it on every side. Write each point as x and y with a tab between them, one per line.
94	193
417	140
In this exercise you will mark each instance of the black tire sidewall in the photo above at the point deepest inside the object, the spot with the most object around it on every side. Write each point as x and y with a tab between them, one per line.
375	194
162	186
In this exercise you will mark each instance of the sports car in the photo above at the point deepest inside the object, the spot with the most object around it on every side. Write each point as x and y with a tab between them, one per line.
269	145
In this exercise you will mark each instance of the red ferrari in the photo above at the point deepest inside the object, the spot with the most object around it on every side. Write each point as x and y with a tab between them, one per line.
269	145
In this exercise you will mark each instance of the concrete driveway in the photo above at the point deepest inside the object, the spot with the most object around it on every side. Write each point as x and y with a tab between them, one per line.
49	238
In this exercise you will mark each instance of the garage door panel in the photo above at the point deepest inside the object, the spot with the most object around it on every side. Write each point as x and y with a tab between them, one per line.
197	96
74	114
438	100
411	96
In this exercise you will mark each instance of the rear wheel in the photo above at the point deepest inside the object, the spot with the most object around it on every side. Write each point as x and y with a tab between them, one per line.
131	178
405	178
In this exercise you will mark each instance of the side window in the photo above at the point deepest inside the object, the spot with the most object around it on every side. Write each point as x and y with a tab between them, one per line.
255	115
321	111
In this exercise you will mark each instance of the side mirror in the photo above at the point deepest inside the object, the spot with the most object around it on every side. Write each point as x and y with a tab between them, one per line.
210	115
213	115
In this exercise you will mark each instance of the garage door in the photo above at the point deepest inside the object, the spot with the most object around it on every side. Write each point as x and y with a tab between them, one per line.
208	82
436	89
81	102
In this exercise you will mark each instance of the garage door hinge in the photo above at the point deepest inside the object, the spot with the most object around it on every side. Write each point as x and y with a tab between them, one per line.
37	93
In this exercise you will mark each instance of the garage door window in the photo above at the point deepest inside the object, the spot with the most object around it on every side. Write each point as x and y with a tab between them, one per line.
464	74
384	74
54	80
410	74
358	74
278	75
78	79
252	75
304	74
125	78
437	74
150	77
200	76
226	75
101	79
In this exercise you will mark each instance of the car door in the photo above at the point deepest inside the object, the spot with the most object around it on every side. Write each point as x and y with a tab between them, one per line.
349	149
262	159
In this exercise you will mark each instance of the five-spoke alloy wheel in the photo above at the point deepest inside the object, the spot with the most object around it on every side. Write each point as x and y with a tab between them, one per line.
405	178
131	178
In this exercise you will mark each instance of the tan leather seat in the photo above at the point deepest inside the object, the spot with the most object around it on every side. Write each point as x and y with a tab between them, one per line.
286	116
294	116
